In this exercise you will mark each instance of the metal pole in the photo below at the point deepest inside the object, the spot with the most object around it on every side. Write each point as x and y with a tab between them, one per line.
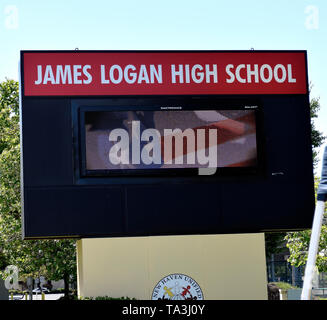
31	294
316	229
29	282
272	268
313	250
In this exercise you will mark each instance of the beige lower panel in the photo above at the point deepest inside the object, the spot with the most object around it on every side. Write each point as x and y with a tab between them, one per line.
225	266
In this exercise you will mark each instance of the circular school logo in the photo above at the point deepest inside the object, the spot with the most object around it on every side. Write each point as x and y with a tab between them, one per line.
177	287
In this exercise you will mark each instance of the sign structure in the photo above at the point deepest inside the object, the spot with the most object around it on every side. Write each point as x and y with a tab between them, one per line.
136	143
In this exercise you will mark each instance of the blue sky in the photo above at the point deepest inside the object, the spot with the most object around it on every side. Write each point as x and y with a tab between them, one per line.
168	24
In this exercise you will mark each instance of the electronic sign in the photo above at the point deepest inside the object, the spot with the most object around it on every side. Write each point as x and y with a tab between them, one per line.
138	143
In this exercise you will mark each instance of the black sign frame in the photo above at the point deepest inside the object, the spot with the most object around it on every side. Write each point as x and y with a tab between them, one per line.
58	202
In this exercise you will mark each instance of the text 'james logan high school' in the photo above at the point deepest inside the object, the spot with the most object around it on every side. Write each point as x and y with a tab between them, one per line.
154	74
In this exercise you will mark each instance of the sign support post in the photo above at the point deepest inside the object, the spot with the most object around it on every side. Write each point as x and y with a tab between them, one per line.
315	234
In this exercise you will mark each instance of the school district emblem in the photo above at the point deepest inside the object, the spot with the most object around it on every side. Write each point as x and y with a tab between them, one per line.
177	287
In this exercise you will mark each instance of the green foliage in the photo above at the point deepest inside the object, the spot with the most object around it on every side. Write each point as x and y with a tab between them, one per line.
9	115
274	243
54	259
298	245
284	285
317	137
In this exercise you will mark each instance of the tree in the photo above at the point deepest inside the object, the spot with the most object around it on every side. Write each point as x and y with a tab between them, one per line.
317	137
54	259
9	115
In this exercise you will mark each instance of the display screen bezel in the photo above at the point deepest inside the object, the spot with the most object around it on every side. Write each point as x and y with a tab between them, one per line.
81	107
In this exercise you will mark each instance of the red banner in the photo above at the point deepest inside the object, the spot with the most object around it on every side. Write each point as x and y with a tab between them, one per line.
80	73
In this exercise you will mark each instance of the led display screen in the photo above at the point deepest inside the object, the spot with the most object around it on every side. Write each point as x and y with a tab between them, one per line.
169	139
